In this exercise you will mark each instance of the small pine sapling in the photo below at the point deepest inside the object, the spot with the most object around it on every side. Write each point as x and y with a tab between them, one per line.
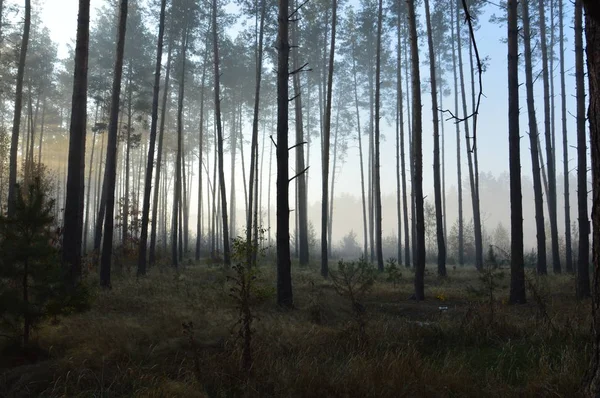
354	280
393	271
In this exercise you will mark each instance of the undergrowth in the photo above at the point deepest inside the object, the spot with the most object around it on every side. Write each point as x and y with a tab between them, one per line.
131	342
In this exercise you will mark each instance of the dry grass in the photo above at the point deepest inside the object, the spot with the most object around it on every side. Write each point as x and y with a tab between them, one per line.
132	342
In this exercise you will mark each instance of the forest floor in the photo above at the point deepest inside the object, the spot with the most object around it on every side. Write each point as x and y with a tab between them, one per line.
133	342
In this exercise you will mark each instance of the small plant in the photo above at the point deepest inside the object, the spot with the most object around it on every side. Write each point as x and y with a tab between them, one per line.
532	282
489	278
491	259
353	280
393	271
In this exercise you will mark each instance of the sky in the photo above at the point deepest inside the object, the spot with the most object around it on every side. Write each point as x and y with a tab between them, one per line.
60	17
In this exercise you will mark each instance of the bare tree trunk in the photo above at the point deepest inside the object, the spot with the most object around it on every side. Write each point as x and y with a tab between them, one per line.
127	165
461	249
378	214
141	269
284	274
563	109
417	182
217	78
89	189
73	226
592	30
533	142
517	274
441	260
177	194
301	180
111	151
549	148
360	151
14	143
325	154
583	258
200	159
159	155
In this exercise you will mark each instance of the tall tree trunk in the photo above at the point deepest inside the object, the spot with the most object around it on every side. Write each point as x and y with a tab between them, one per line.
217	77
110	170
461	249
14	143
360	151
326	144
533	142
583	258
517	273
399	127
302	208
127	165
441	244
200	159
417	183
592	30
141	268
563	110
470	152
73	226
284	274
549	148
159	155
177	194
89	188
378	214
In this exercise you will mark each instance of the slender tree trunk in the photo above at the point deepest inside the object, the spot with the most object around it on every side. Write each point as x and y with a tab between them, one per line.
111	152
141	268
563	110
127	165
378	214
583	258
177	194
302	208
89	189
14	144
73	226
461	249
200	159
441	260
592	30
399	126
533	142
360	151
549	148
217	78
517	274
159	155
325	154
417	182
284	274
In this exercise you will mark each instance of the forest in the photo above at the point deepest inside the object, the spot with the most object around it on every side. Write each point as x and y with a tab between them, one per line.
299	198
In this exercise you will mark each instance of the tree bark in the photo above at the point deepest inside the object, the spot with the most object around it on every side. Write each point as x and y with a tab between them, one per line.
533	142
517	280
226	254
326	145
141	268
417	183
583	258
284	274
110	170
159	155
551	170
14	143
378	214
439	219
73	225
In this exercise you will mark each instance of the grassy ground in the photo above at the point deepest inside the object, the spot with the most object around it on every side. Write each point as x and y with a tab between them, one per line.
132	342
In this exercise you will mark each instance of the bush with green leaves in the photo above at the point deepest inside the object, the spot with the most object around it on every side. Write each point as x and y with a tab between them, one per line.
33	285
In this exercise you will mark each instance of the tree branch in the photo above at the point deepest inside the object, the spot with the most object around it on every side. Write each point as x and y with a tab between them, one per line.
297	145
299	174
